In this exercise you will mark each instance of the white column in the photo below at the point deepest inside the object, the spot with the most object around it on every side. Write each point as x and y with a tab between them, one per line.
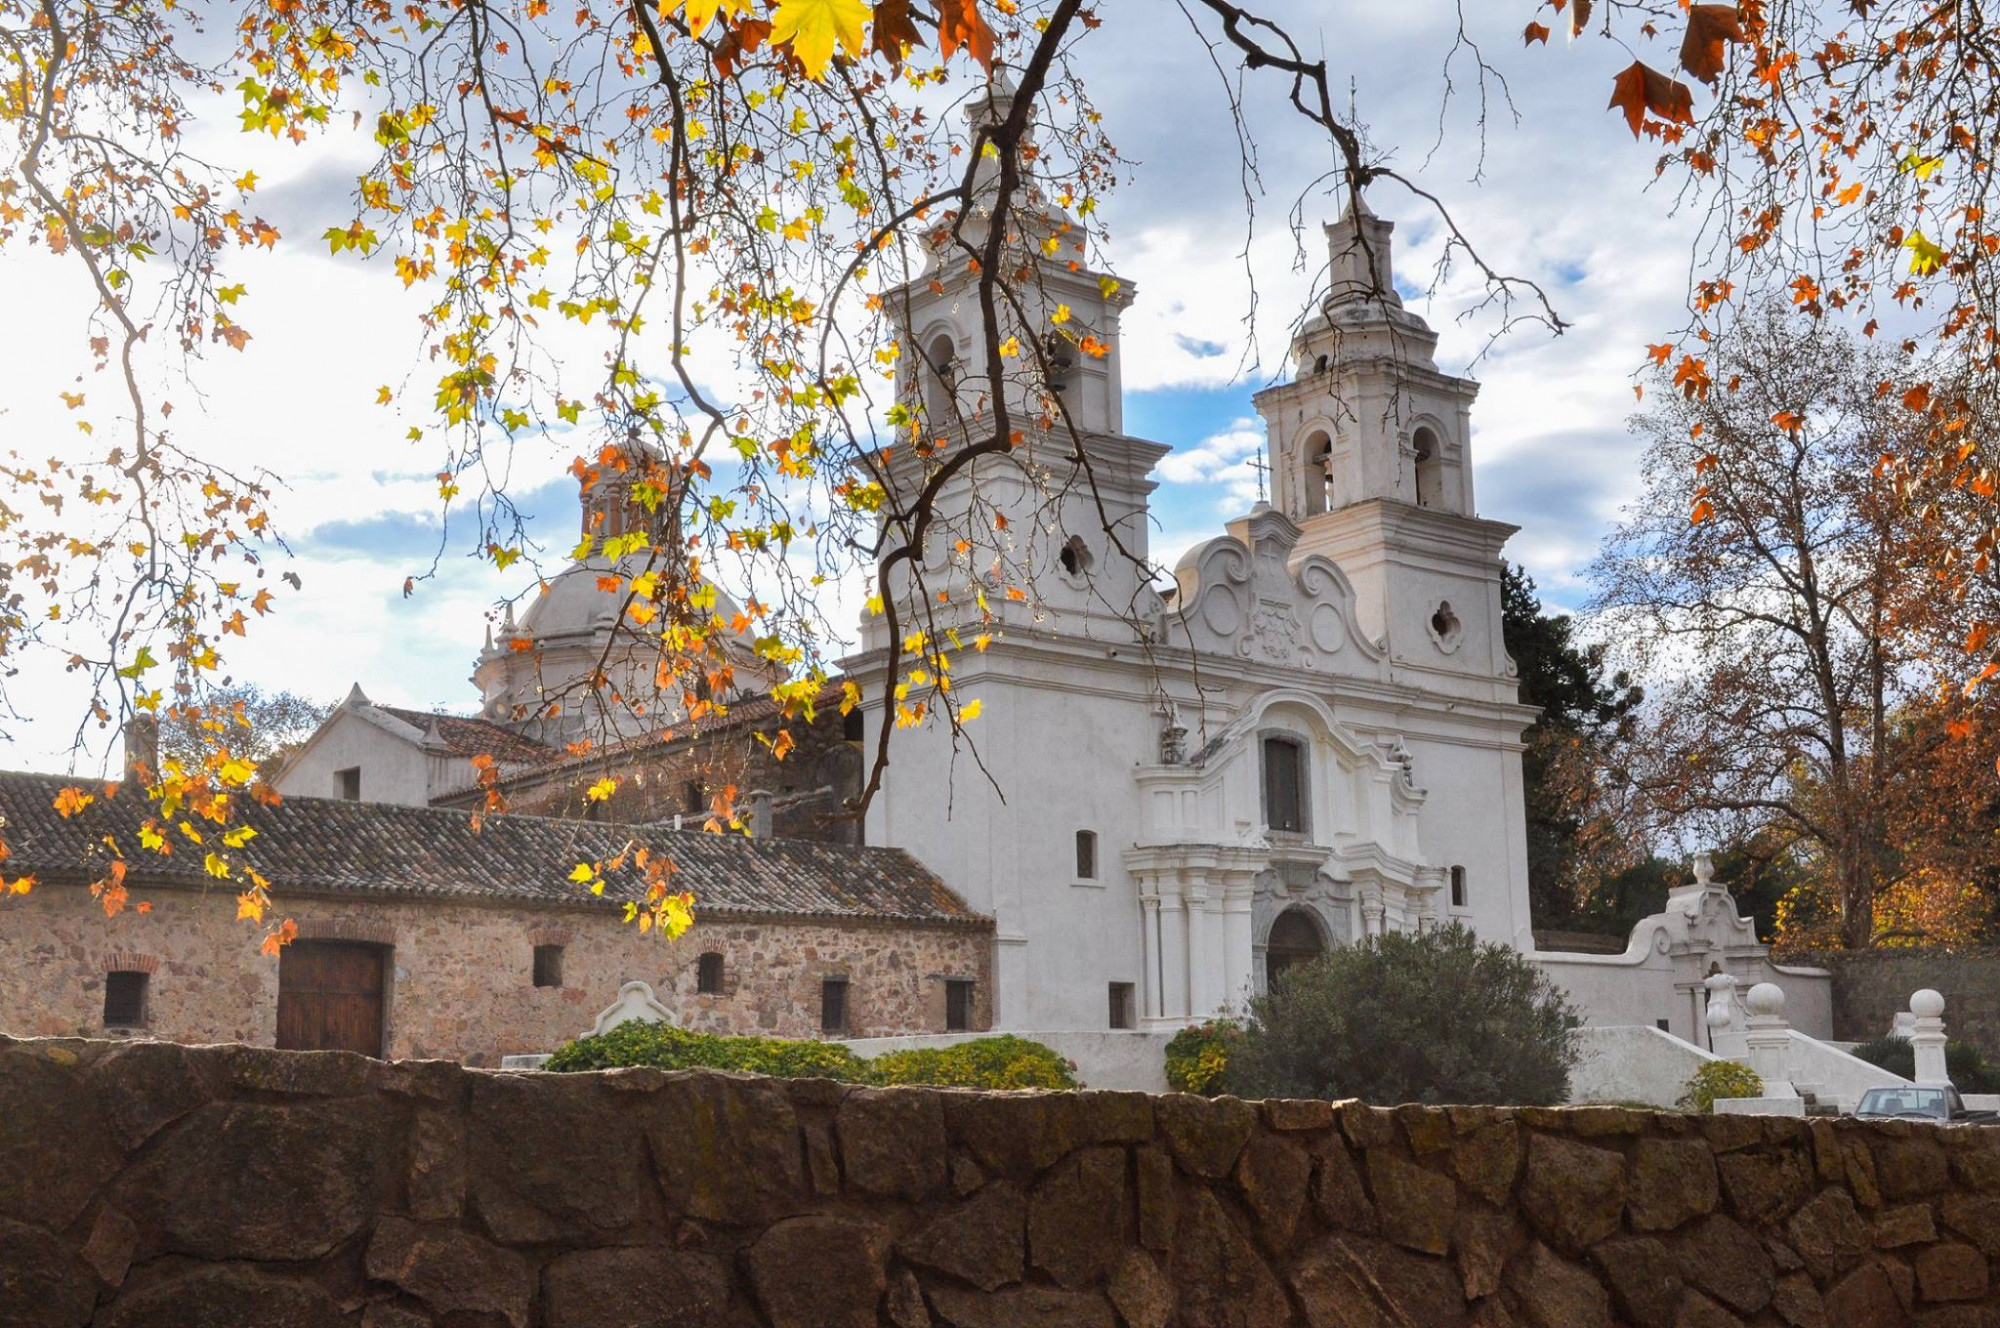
1928	1039
1149	937
1201	951
1770	1039
1173	957
1236	968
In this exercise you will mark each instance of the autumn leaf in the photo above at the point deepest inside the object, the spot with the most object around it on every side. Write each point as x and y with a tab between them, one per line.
1925	257
1918	399
701	12
602	790
1641	88
813	27
894	32
287	932
1579	15
70	801
1710	28
741	39
1790	421
250	905
1535	32
969	711
1702	511
959	24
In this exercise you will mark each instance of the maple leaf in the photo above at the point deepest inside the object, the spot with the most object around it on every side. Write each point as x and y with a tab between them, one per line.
1925	257
1640	88
1790	421
813	27
602	790
741	39
1535	32
70	801
701	12
1710	28
1579	15
894	32
249	905
287	932
959	24
969	711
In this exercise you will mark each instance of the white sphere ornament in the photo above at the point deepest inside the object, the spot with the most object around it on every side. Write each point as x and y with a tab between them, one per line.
1926	1004
1766	998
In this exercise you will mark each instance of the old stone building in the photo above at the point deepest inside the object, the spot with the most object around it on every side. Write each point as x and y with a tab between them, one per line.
430	933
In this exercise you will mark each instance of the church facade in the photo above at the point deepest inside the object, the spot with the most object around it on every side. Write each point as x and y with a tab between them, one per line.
1309	736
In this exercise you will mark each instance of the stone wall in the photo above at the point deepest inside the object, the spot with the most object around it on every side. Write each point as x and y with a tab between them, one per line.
462	973
224	1187
1871	986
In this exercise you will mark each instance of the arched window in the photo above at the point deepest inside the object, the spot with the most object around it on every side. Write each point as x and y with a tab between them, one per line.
708	974
1074	557
1086	855
1319	474
1430	470
1284	785
940	379
1294	939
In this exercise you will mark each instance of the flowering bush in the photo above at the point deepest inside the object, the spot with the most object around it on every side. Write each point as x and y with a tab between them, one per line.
1719	1079
1005	1061
1198	1057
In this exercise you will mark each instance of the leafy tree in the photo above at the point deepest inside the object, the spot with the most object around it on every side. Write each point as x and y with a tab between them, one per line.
1785	632
1436	1016
1574	831
262	726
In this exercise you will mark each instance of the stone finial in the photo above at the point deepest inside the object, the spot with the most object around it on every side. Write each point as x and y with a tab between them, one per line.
635	1002
1927	1036
1770	1039
356	697
1704	869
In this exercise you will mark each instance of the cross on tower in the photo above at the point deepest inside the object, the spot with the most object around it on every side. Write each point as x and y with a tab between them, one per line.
1261	466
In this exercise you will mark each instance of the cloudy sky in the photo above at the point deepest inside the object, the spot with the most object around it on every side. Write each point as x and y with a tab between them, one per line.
1559	196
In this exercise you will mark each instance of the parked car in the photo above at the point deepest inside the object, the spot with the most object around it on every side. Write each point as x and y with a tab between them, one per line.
1921	1103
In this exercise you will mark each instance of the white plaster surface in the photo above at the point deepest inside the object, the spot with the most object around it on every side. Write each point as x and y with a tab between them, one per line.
1633	1063
1122	1059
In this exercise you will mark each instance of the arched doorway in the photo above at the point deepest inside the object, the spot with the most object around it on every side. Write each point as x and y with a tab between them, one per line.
1294	939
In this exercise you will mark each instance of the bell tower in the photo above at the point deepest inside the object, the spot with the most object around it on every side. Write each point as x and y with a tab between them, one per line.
1369	449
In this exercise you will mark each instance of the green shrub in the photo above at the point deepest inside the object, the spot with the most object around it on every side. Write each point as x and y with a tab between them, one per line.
1198	1057
1964	1063
664	1047
991	1062
1005	1061
1719	1079
1434	1016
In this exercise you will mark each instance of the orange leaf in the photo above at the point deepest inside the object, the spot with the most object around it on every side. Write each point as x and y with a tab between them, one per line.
1535	32
1579	15
1918	398
894	33
287	932
1978	636
1640	88
1790	421
960	24
1703	510
1709	28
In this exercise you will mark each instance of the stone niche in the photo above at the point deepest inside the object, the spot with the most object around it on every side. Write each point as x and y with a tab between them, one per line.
147	1184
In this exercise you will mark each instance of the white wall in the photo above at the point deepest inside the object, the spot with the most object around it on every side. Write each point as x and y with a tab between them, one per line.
1645	985
1125	1060
1633	1064
392	770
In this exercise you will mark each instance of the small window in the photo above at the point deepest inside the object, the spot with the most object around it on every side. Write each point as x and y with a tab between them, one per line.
348	783
548	965
124	999
1121	1006
1458	887
833	1005
694	797
957	1005
1661	1024
1284	794
1075	556
1086	855
852	728
708	974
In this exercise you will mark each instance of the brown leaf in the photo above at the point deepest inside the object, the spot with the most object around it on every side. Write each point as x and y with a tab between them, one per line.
741	39
1710	27
1640	88
1535	32
894	32
1579	16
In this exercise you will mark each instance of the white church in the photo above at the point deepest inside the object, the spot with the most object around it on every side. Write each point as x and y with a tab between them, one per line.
1308	735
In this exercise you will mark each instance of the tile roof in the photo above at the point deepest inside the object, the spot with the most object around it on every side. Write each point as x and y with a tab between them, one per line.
750	711
468	736
326	846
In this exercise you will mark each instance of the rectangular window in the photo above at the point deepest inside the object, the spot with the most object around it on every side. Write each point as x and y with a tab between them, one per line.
1121	1006
548	965
833	1005
957	1005
708	974
694	798
348	783
124	999
1086	855
1284	792
1458	887
1662	1025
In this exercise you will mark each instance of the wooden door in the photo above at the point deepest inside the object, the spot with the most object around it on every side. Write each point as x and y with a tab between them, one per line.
330	997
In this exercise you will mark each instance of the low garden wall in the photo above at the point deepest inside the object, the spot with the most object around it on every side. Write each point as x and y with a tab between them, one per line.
171	1187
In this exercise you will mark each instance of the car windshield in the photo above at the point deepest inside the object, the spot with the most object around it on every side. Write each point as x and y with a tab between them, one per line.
1899	1101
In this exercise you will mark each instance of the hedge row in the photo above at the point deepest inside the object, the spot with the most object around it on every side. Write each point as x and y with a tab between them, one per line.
1004	1061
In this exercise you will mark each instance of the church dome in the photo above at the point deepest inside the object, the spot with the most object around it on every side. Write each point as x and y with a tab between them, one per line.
575	603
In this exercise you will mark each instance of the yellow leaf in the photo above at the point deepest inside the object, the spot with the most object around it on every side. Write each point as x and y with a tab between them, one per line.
1924	255
701	12
248	905
215	865
70	801
581	872
813	26
1011	347
850	696
383	395
969	711
602	790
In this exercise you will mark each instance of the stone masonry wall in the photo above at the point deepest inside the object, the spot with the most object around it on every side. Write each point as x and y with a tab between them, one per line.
156	1186
1870	987
462	974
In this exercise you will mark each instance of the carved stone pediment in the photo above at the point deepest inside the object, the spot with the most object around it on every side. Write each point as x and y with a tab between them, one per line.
1240	595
